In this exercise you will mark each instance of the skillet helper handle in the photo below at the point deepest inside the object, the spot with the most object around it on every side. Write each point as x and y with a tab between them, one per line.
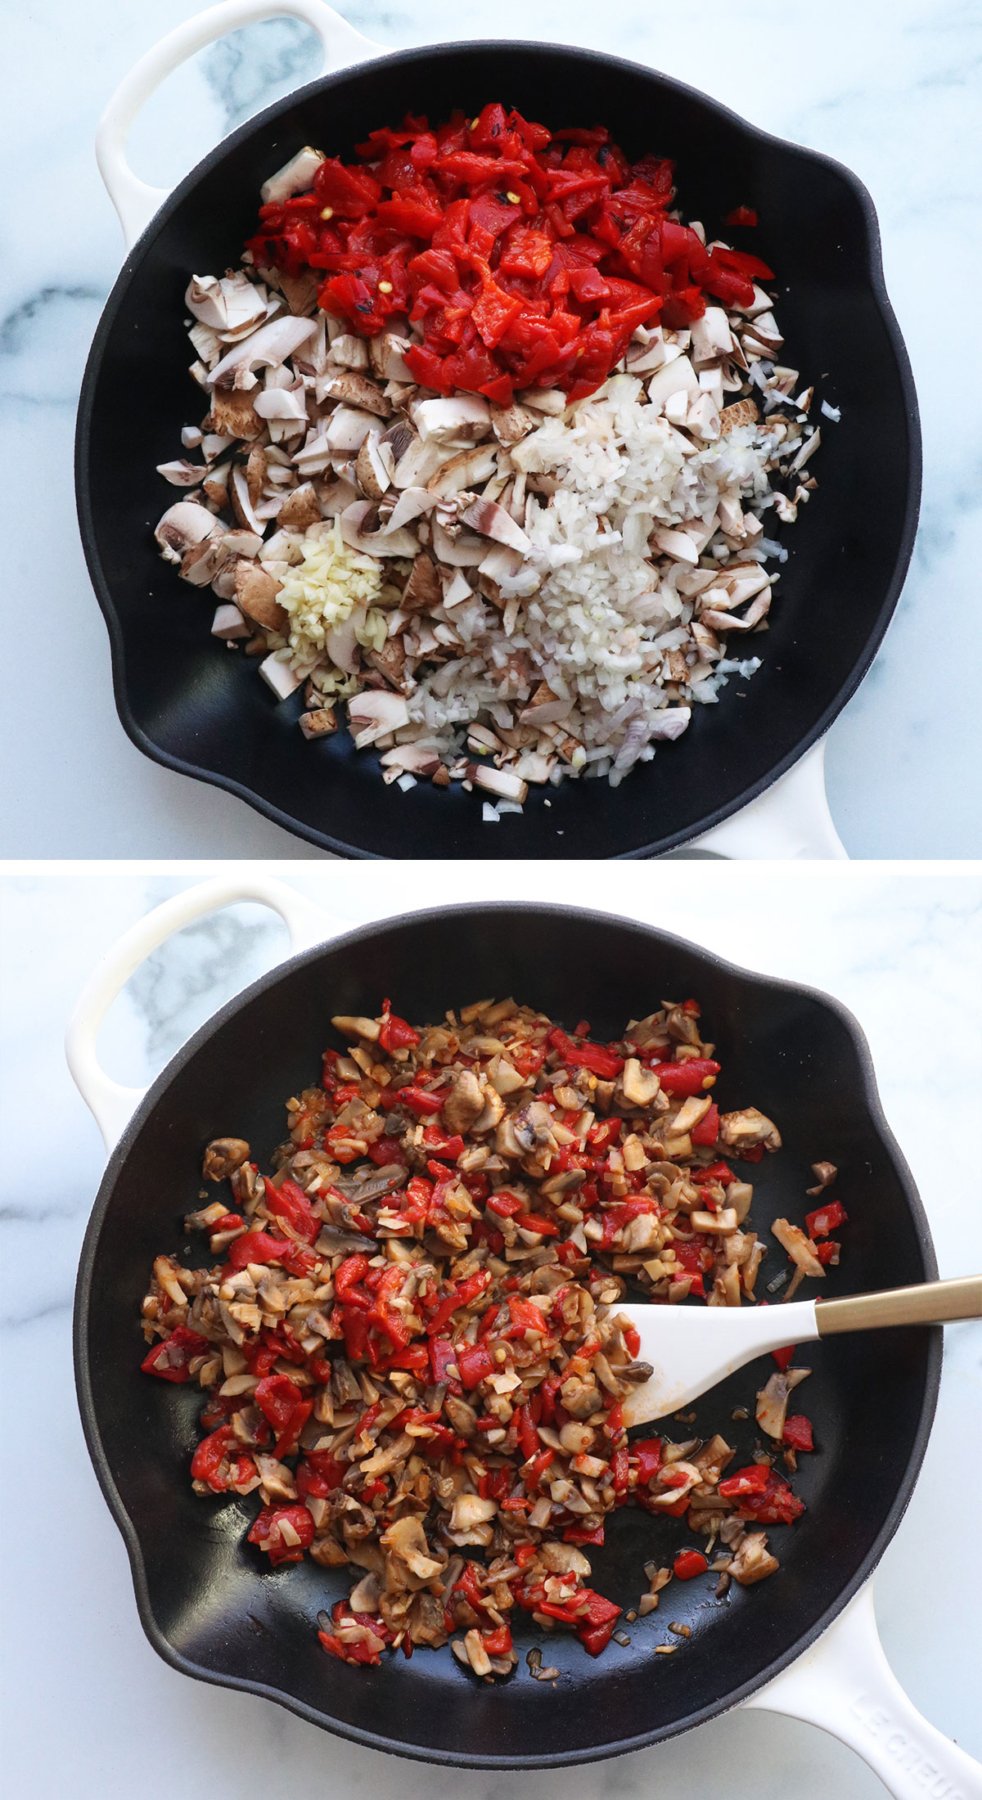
933	1303
110	1102
845	1685
790	820
136	201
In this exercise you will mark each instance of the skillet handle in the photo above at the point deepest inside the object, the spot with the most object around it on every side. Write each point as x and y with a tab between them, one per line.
135	200
845	1685
110	1102
791	819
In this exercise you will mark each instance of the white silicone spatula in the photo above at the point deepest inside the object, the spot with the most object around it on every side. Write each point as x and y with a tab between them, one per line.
691	1348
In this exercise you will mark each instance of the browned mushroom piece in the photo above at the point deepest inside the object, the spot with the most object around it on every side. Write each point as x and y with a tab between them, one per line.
222	1157
422	590
255	595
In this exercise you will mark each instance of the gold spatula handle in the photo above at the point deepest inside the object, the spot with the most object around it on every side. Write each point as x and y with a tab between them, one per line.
934	1303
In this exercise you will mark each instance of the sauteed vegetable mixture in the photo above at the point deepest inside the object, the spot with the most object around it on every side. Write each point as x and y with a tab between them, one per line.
409	1337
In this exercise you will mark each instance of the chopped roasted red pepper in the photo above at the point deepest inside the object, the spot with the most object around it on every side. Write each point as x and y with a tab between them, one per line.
594	1057
681	1079
825	1219
798	1432
170	1358
689	1563
474	1362
396	1033
284	1532
289	1203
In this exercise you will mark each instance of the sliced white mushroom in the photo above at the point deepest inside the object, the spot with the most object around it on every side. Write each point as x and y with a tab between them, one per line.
182	473
712	338
456	589
670	722
459	551
294	177
360	529
411	504
286	404
183	526
243	505
674	377
387	353
349	352
411	759
469	468
266	348
280	676
255	592
491	520
342	645
320	722
544	400
374	714
674	543
347	430
462	419
353	389
229	623
301	508
423	589
374	466
497	781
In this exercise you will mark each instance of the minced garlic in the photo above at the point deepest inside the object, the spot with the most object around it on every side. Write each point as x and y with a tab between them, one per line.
331	584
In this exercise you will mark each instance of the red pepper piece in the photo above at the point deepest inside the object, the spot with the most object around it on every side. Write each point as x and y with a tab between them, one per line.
825	1219
784	1357
474	1362
267	1532
169	1359
798	1432
210	1460
464	1292
396	1033
600	1061
829	1252
741	215
263	1247
751	1480
682	1079
707	1130
289	1203
438	1144
348	1289
506	1205
386	1150
533	1471
648	1456
689	1563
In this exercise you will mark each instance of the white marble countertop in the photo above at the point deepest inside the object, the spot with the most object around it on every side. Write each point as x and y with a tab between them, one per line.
87	1707
886	87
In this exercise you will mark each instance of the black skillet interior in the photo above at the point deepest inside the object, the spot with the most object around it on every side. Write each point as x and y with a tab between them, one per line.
207	1601
206	712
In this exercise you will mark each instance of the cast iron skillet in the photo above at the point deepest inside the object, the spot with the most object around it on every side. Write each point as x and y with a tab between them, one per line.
209	1603
207	714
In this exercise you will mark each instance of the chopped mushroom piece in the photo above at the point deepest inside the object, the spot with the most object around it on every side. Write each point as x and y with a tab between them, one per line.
772	1400
752	1561
798	1246
222	1157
